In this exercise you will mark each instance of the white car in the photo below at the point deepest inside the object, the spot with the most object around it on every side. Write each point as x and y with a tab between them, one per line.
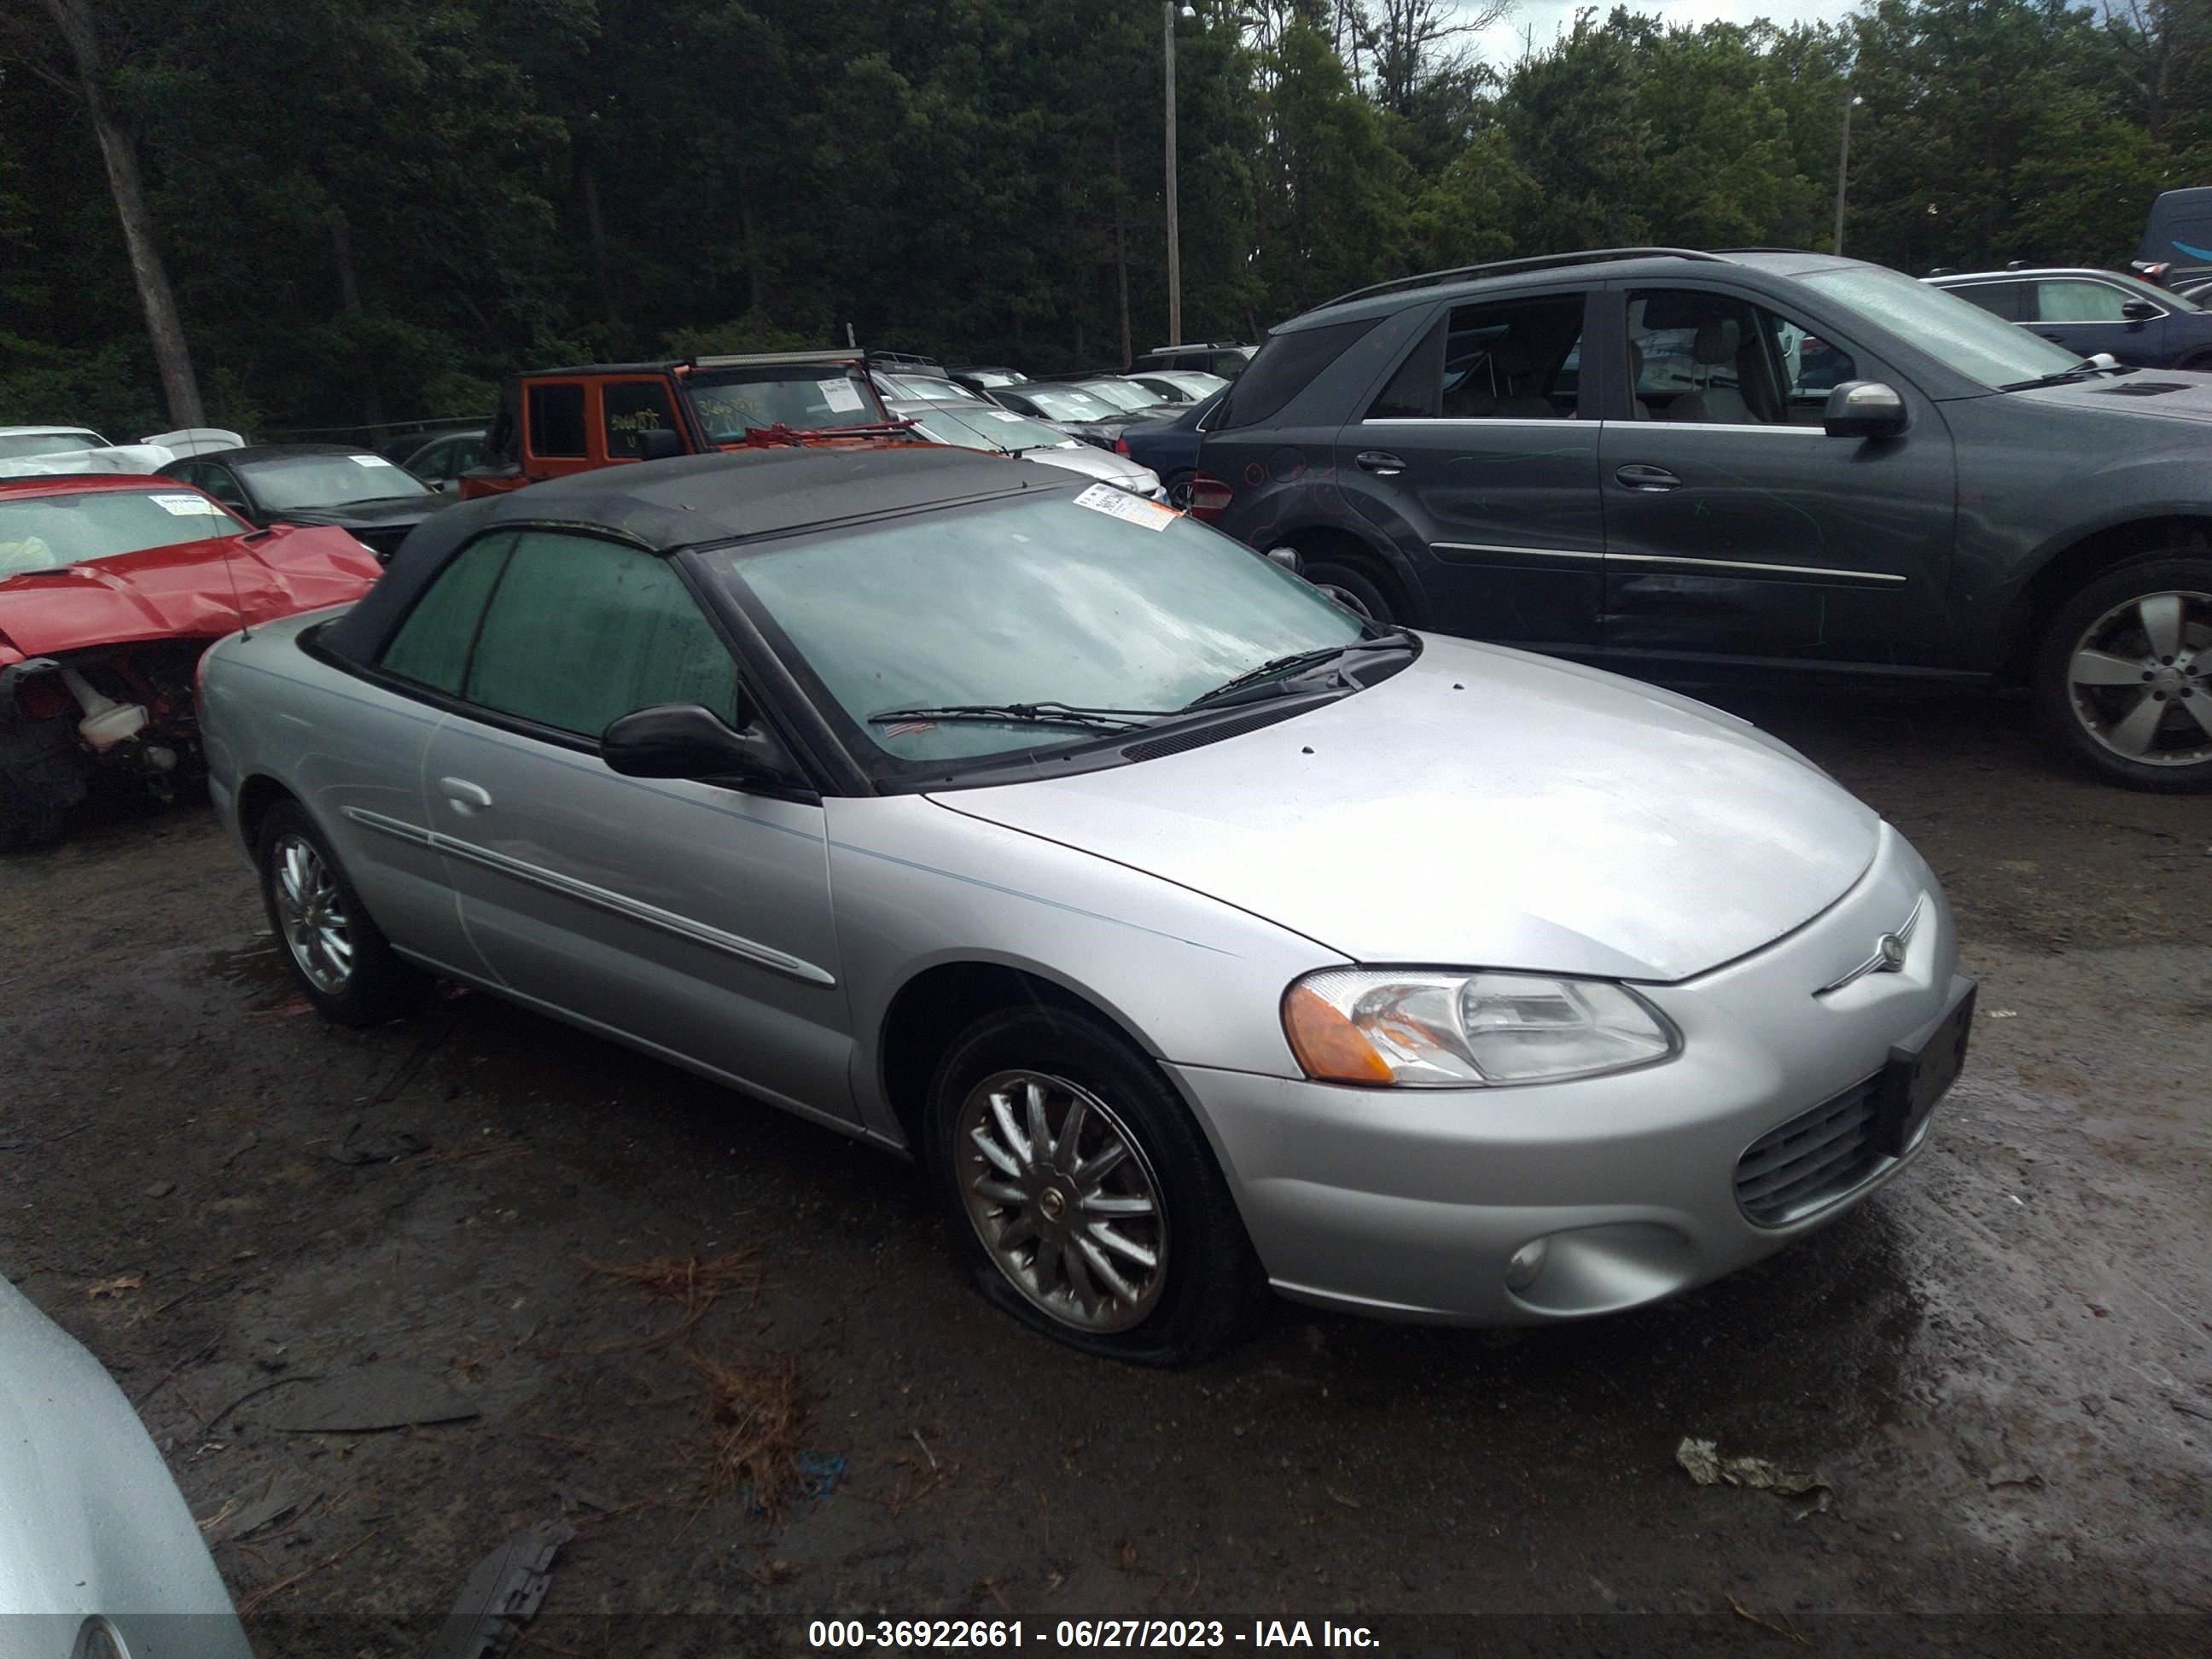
28	451
99	1556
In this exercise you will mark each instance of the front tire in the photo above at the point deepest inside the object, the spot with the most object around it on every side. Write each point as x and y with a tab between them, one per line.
1082	1197
1352	587
2123	678
343	964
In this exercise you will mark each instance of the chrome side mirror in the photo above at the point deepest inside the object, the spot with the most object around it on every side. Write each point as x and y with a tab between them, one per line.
1864	408
1289	558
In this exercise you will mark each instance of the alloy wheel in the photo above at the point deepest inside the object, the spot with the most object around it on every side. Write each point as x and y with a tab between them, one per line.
1064	1200
311	910
2139	679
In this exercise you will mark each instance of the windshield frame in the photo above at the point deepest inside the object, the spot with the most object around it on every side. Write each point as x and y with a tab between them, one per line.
713	569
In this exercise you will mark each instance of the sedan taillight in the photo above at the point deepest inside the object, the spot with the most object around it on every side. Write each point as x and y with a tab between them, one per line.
1209	497
1120	446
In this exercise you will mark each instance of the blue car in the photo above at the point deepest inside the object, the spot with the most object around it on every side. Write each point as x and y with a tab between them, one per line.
1170	448
2092	311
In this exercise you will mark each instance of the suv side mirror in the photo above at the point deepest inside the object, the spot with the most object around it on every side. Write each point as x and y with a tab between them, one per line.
1864	408
689	740
1289	558
660	443
2138	310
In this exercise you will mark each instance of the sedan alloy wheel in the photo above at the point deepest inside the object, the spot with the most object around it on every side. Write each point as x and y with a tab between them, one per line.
2139	679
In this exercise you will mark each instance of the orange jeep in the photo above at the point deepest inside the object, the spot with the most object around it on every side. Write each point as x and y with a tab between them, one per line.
558	420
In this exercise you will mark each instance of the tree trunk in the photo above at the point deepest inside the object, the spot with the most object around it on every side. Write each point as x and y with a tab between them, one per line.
595	228
756	277
371	401
181	387
1122	250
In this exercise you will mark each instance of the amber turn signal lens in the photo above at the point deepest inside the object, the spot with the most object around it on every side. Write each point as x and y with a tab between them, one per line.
1328	1045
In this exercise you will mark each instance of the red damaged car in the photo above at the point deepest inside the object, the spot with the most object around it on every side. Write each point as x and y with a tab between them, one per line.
111	587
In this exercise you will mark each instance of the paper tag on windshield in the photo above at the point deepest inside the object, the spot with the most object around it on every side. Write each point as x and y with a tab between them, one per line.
1006	415
1130	510
189	507
842	395
369	460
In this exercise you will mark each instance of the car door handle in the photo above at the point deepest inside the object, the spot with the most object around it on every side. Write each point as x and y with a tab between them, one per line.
1646	478
466	797
1379	461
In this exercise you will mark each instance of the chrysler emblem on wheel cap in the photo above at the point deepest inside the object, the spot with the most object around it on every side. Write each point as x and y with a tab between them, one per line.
1889	955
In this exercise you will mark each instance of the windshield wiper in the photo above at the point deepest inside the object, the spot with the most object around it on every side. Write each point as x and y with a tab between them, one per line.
1028	714
1279	669
2087	367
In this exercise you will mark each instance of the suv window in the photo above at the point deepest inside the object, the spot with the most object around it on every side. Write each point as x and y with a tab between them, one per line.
630	409
581	632
1713	359
2005	300
432	646
557	420
1517	360
1286	365
2077	301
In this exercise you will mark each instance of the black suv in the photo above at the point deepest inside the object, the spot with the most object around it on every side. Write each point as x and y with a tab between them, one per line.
1699	465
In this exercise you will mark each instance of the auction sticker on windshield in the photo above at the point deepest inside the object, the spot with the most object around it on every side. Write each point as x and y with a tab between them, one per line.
189	507
1131	509
840	395
369	460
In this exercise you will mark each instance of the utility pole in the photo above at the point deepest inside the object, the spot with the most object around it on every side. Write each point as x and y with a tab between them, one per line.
1844	168
1174	236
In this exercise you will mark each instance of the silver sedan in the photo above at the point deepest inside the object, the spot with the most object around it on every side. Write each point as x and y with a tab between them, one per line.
1195	934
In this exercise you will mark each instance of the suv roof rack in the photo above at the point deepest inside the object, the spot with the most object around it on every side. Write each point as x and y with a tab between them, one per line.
826	355
908	361
1542	262
1196	345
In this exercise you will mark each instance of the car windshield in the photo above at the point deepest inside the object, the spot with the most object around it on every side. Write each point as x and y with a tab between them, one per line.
1065	403
14	446
44	532
1122	394
805	397
1955	331
1117	605
301	481
922	388
976	426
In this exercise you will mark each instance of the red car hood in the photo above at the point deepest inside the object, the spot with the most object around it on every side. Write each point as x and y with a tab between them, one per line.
195	590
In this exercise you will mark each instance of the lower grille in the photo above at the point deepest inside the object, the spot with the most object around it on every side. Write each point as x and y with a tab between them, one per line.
1814	1157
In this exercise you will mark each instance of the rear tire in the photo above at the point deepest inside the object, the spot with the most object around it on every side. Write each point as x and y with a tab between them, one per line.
2124	676
1117	1235
1352	587
343	964
1178	488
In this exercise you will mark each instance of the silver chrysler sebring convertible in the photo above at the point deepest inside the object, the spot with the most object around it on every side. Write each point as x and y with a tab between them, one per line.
1193	933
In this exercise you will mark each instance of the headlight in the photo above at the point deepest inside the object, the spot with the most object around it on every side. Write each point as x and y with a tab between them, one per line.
1425	1029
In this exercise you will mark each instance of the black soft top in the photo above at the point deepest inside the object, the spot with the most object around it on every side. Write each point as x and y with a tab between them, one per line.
689	501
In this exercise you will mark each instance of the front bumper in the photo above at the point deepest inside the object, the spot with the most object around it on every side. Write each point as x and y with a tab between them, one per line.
1412	1204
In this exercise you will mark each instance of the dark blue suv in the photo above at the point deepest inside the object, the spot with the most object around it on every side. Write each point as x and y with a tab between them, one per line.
2092	311
1698	466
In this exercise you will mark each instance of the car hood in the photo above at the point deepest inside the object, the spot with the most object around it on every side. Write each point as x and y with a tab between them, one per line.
90	1520
197	590
407	510
2123	394
1102	463
1483	807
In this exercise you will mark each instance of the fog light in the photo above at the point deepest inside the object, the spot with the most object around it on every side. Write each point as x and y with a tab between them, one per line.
1527	1261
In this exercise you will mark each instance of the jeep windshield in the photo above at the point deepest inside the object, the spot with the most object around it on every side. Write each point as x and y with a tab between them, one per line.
1961	335
45	532
803	396
998	630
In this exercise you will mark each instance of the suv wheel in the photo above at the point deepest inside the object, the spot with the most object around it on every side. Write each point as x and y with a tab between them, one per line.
1349	586
1082	1198
2125	676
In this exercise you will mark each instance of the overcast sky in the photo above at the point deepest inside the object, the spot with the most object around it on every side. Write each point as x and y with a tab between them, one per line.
1501	45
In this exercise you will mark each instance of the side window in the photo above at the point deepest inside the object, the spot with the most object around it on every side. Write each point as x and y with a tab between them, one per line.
1286	365
219	482
2005	300
1517	360
2078	302
1715	360
632	409
432	646
582	632
557	420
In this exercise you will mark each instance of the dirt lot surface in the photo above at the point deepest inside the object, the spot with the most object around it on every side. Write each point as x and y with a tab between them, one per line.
2002	1365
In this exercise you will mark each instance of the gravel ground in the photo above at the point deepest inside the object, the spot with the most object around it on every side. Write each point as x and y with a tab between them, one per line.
2002	1365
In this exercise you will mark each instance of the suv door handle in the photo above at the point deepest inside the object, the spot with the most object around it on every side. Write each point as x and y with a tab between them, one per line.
1379	461
466	797
1646	478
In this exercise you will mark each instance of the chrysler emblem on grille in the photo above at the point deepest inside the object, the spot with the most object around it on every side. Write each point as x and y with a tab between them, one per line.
1889	955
